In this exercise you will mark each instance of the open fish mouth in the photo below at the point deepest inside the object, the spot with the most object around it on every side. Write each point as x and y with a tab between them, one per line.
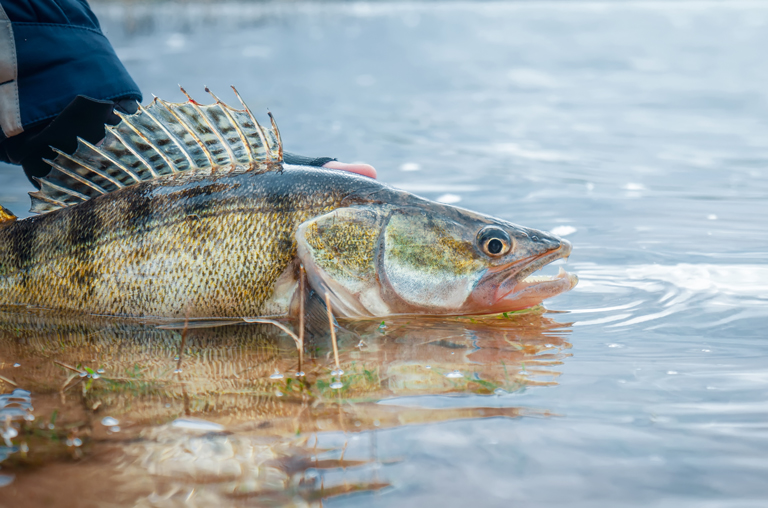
532	289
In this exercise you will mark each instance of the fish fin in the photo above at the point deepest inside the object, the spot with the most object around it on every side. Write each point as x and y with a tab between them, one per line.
316	316
160	139
6	216
316	322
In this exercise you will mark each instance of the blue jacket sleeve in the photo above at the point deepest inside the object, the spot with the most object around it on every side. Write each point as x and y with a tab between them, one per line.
62	53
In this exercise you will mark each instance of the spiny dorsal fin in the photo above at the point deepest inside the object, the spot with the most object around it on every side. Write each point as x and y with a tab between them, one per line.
6	216
160	139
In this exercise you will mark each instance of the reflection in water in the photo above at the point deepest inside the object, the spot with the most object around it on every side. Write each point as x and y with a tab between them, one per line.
205	413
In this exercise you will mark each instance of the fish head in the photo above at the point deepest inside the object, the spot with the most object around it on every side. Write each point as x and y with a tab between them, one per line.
427	258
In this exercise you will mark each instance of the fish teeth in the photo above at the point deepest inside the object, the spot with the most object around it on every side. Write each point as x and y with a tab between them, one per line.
538	278
546	278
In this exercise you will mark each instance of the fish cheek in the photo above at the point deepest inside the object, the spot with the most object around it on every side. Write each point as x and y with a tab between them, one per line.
338	251
430	263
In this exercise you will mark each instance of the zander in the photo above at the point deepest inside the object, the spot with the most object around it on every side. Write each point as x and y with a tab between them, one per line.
187	211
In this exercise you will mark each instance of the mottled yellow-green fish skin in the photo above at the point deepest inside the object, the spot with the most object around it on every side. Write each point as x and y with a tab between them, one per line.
208	244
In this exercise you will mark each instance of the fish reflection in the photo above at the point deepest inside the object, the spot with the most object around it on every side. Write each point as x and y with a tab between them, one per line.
218	411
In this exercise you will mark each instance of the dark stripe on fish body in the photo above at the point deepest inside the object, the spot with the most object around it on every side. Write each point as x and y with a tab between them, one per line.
20	250
139	209
85	228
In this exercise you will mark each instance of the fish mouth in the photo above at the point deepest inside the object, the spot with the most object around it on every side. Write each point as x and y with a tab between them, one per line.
530	290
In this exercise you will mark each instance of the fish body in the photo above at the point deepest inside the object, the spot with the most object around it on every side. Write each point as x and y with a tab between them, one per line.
228	240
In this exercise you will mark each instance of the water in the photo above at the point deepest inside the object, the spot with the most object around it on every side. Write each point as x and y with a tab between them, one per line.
638	130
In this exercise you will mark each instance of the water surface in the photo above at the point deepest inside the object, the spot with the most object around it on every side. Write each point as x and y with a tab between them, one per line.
639	131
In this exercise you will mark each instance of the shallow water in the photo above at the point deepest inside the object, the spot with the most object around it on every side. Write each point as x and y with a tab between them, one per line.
638	131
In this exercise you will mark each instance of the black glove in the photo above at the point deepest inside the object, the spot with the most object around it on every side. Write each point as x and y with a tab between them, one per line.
83	117
300	160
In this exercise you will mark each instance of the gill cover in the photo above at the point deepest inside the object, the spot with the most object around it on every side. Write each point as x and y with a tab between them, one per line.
383	260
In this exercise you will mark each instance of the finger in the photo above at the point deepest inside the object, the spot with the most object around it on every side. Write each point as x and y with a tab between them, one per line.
360	169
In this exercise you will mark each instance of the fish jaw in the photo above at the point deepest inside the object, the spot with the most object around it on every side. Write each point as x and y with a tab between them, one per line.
514	288
533	290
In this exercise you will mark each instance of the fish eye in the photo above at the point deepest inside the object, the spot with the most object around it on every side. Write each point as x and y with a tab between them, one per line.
494	241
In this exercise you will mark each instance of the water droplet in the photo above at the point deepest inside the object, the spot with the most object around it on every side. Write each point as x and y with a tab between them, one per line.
278	393
300	373
77	442
167	405
357	424
24	448
9	433
17	365
96	376
427	366
29	417
177	371
176	358
83	374
6	479
454	375
189	424
108	421
100	371
51	426
337	372
376	423
336	385
114	428
549	345
361	344
672	372
276	375
68	442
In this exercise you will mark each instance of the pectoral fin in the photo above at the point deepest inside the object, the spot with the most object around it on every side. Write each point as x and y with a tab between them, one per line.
6	216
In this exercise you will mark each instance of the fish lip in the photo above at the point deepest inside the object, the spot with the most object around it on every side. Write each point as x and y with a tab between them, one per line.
535	264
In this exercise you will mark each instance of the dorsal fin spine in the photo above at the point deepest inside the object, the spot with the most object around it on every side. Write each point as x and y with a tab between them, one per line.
225	109
170	135
105	176
148	141
277	136
230	153
191	131
75	176
110	159
119	137
243	137
262	136
64	190
42	197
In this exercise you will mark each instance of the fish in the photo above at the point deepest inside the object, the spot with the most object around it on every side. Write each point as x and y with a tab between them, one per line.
187	210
